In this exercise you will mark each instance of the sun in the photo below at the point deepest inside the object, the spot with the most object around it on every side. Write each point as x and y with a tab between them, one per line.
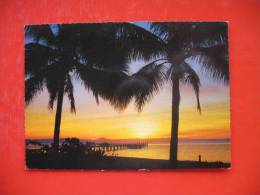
142	134
143	129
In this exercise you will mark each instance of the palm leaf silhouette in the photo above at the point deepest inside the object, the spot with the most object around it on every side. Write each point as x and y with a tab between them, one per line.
201	42
96	54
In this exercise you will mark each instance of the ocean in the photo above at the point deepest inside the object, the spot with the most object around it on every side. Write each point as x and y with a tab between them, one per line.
209	151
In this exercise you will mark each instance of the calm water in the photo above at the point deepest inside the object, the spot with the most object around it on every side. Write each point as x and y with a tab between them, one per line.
209	151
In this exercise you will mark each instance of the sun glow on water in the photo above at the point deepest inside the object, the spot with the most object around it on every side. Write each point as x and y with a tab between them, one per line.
209	151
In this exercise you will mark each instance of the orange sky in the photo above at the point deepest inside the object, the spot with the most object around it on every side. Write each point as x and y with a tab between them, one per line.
101	121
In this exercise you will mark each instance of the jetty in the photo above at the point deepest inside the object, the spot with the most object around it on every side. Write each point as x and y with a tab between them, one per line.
113	146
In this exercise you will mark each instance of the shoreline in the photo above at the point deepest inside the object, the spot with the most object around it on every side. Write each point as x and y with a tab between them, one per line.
143	163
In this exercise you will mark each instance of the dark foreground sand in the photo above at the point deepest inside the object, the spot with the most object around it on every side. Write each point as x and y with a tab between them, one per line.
121	163
140	163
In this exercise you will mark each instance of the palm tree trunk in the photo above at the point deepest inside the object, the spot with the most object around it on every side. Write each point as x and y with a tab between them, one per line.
56	137
175	121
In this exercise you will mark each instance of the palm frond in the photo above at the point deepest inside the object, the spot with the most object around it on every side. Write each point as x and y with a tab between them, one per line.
101	82
97	44
181	35
190	77
140	43
142	85
177	35
168	74
161	29
53	80
125	93
37	58
214	60
69	91
112	45
175	71
209	33
40	32
52	97
33	85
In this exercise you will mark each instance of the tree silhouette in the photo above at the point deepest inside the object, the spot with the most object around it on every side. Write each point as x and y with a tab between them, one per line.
179	44
95	54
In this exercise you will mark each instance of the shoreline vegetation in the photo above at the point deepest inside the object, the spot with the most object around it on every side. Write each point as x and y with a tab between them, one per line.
73	154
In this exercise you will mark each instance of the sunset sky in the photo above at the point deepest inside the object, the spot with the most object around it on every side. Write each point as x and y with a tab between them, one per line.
93	121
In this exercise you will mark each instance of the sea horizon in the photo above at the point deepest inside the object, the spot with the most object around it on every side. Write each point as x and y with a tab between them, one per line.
148	140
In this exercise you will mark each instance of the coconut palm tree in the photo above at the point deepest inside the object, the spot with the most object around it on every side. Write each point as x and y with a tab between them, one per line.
179	45
95	54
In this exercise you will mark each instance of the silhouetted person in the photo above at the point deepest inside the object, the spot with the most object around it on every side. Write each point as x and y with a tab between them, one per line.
199	158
